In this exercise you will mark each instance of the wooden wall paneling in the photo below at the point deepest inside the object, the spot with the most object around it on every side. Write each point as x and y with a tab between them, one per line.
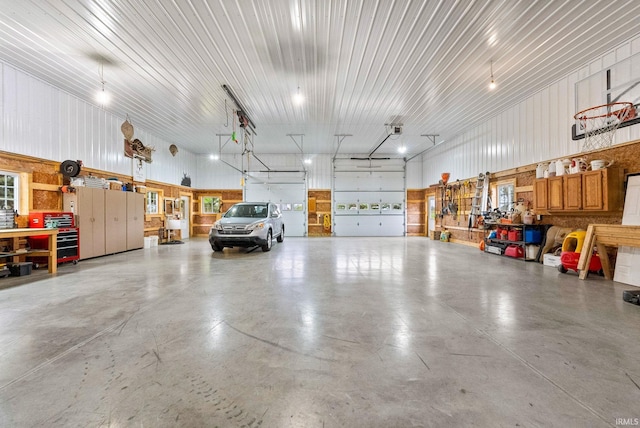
416	218
201	223
315	217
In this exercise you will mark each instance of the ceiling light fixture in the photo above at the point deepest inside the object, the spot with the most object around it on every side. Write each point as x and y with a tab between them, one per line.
102	96
214	157
492	39
492	83
307	161
298	98
402	149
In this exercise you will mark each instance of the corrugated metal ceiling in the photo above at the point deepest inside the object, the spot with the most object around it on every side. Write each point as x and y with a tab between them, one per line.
360	64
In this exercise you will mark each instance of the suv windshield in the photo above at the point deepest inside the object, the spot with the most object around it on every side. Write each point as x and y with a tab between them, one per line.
248	211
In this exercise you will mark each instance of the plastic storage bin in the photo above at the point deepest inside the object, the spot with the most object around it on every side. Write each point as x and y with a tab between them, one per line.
21	269
532	236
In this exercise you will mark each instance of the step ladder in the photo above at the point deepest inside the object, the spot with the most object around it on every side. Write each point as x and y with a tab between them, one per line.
480	201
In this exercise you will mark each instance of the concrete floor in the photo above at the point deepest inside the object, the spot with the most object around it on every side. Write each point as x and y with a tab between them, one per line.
320	332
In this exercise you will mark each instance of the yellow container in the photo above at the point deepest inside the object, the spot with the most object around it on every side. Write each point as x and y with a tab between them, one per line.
573	241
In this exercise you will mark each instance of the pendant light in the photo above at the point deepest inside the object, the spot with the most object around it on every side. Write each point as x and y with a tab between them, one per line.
492	83
102	96
298	98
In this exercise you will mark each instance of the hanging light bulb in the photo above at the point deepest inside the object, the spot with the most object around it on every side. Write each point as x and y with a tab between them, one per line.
492	83
298	98
102	96
402	149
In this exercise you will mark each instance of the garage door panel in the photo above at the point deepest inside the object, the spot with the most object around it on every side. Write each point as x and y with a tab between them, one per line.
365	181
292	198
369	203
370	225
385	203
392	225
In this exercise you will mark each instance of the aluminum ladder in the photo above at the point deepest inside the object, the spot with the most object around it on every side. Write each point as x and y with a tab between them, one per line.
479	203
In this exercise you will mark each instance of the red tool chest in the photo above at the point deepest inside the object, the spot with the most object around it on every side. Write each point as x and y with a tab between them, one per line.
68	241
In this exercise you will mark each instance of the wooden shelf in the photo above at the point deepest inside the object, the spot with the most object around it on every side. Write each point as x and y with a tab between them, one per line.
461	228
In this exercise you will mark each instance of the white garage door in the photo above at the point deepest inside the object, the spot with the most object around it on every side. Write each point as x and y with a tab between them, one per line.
369	198
290	196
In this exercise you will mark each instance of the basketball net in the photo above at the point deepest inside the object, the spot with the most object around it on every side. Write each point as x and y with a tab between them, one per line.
599	123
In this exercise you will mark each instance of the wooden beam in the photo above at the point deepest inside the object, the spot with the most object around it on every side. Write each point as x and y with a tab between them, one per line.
600	236
47	187
522	189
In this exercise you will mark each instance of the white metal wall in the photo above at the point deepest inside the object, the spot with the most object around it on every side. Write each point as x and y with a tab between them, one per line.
218	174
414	173
223	173
42	121
534	130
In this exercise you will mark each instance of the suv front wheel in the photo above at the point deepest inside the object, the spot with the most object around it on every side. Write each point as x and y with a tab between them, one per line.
267	247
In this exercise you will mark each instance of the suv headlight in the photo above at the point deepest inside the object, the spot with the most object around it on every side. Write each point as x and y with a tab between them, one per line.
217	226
256	226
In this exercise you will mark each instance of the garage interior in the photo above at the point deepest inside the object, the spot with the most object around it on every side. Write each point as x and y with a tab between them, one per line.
460	187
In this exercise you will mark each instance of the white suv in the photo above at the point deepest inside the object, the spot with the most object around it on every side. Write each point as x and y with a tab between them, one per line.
248	224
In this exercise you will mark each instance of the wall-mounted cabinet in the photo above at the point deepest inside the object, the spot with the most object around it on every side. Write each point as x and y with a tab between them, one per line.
572	188
597	191
555	191
540	195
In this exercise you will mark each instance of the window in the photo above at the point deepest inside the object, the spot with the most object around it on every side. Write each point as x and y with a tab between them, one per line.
153	203
8	191
211	204
505	197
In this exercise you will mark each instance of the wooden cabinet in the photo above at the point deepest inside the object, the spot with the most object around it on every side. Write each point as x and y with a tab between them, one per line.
110	221
135	220
555	192
597	191
572	189
593	195
540	196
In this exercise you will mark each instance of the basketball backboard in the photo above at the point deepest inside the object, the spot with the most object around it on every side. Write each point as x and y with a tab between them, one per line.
617	83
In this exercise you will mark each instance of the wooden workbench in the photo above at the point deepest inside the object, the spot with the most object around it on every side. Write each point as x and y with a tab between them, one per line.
16	234
601	236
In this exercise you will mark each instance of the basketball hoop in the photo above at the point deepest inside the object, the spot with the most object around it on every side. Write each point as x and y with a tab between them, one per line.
599	123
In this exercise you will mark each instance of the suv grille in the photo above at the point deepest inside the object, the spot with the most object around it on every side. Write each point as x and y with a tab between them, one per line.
234	230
